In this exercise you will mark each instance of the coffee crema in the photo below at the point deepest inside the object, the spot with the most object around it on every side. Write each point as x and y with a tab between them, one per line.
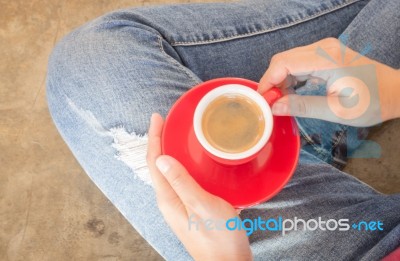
233	123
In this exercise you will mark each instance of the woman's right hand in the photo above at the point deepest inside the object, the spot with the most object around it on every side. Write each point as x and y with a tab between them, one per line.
360	92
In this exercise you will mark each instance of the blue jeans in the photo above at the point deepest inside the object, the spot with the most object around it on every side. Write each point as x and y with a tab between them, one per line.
107	77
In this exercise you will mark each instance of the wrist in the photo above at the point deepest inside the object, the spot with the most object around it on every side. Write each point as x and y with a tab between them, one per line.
397	96
389	92
239	256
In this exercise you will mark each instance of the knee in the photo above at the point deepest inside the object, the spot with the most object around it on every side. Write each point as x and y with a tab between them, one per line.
67	64
100	62
79	61
57	71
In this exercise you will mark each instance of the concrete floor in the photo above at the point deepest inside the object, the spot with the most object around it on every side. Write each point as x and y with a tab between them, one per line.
49	209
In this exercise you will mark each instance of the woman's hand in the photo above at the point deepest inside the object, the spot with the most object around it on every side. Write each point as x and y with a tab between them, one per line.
186	207
360	91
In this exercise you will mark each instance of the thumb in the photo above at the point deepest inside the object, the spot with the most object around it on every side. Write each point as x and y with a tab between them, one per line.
187	189
316	107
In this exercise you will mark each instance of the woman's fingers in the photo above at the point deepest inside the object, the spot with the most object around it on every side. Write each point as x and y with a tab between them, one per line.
154	151
301	62
176	190
302	106
328	108
194	197
154	134
164	191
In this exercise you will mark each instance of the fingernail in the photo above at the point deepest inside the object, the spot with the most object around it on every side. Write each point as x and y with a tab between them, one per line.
163	164
280	108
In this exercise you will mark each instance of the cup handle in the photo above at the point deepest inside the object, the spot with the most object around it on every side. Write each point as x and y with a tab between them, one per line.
272	95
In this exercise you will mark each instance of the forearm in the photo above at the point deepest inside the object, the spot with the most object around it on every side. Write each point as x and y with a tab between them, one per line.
389	91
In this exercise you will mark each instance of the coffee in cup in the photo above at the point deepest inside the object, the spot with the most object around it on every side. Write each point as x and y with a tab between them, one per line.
233	123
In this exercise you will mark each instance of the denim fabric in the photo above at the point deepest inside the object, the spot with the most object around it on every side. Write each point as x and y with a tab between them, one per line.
109	76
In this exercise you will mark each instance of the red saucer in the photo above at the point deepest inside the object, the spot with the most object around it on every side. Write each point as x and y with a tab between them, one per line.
244	185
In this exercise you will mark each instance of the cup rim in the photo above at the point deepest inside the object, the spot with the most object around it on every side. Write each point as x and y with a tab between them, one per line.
233	89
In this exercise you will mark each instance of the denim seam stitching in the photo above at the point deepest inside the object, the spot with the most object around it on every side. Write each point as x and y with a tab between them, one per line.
340	138
267	30
176	63
319	150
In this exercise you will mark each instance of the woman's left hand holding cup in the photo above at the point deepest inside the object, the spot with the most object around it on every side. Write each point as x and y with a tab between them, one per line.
186	206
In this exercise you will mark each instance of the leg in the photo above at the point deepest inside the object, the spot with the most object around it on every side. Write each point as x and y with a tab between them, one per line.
106	78
319	191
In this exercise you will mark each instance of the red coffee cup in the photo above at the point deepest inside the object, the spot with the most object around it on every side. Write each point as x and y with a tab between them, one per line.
241	184
263	102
